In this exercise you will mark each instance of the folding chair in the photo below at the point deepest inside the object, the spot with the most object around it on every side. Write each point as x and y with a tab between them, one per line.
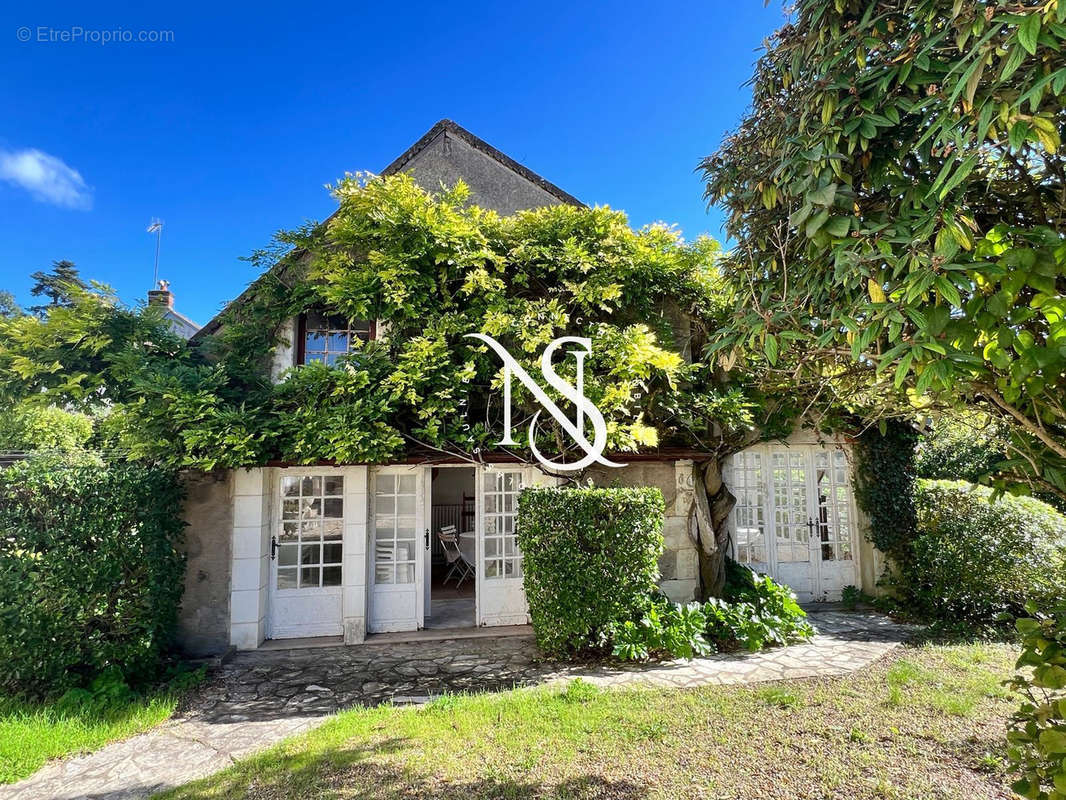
459	568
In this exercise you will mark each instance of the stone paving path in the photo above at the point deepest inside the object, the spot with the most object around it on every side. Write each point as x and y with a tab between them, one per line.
260	698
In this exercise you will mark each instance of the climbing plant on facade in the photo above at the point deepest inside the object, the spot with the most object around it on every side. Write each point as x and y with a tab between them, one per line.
430	269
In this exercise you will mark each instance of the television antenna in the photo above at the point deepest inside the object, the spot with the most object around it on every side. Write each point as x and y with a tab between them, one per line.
156	227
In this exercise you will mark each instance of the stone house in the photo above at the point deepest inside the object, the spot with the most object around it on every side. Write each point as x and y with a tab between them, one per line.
286	552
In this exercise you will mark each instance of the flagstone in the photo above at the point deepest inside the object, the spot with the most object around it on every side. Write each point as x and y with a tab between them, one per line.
262	697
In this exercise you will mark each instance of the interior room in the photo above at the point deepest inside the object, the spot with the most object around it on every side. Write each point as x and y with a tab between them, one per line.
451	593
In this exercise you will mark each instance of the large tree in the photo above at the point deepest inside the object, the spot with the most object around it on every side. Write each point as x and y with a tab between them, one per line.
59	285
898	195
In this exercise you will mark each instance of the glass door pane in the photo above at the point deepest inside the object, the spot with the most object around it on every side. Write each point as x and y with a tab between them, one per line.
747	482
791	517
395	529
502	559
834	505
312	525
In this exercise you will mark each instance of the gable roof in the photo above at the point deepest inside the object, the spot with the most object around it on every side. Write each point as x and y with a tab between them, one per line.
399	164
479	144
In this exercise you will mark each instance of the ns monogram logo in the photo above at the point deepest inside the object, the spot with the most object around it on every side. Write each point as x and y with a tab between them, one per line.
575	428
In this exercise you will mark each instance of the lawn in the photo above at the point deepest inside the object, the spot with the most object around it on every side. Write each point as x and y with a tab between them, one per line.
928	723
31	733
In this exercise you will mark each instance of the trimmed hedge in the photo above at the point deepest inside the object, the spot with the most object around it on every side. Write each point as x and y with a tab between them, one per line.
590	560
973	557
91	574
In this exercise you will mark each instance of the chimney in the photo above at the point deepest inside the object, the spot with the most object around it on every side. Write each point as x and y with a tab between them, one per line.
161	296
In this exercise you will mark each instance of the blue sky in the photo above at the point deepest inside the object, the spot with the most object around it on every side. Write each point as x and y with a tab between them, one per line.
229	131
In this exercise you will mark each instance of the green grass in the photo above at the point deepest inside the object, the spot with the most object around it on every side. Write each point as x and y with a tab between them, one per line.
33	733
929	724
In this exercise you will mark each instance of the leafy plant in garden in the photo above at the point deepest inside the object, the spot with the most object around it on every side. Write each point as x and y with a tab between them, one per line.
974	557
852	596
964	447
777	615
1037	738
91	573
897	197
28	427
590	561
83	353
884	486
664	630
755	612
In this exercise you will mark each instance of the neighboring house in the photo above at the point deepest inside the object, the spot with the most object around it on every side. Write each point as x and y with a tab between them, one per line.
179	323
348	551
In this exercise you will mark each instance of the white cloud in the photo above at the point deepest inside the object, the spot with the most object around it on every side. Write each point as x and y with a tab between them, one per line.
45	177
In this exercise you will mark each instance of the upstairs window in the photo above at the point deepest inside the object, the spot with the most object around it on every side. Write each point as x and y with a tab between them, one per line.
327	338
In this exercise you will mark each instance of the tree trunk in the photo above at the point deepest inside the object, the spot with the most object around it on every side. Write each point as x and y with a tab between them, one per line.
713	504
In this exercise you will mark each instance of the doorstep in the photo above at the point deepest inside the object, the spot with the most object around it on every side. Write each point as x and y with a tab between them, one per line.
449	634
400	637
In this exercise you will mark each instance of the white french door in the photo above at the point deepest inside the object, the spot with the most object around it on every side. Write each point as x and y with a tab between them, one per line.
791	541
794	518
307	556
397	566
501	596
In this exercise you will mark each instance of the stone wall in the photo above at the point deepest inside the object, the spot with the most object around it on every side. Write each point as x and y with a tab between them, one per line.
679	563
203	620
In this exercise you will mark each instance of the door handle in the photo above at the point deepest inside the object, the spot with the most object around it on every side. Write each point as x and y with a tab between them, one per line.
810	525
273	547
427	538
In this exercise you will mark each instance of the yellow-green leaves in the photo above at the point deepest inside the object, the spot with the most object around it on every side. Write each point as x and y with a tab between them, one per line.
1029	31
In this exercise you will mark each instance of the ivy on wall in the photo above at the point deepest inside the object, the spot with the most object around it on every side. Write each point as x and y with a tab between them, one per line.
884	486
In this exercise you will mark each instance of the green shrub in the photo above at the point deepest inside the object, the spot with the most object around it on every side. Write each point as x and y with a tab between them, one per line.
974	558
1037	737
91	573
755	612
851	597
590	561
29	427
665	629
966	448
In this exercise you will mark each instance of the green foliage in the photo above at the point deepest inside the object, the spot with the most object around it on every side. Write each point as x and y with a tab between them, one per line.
896	192
9	307
969	446
974	558
91	573
1037	738
431	269
884	486
965	447
590	561
29	427
85	353
325	413
664	630
58	286
851	597
754	612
